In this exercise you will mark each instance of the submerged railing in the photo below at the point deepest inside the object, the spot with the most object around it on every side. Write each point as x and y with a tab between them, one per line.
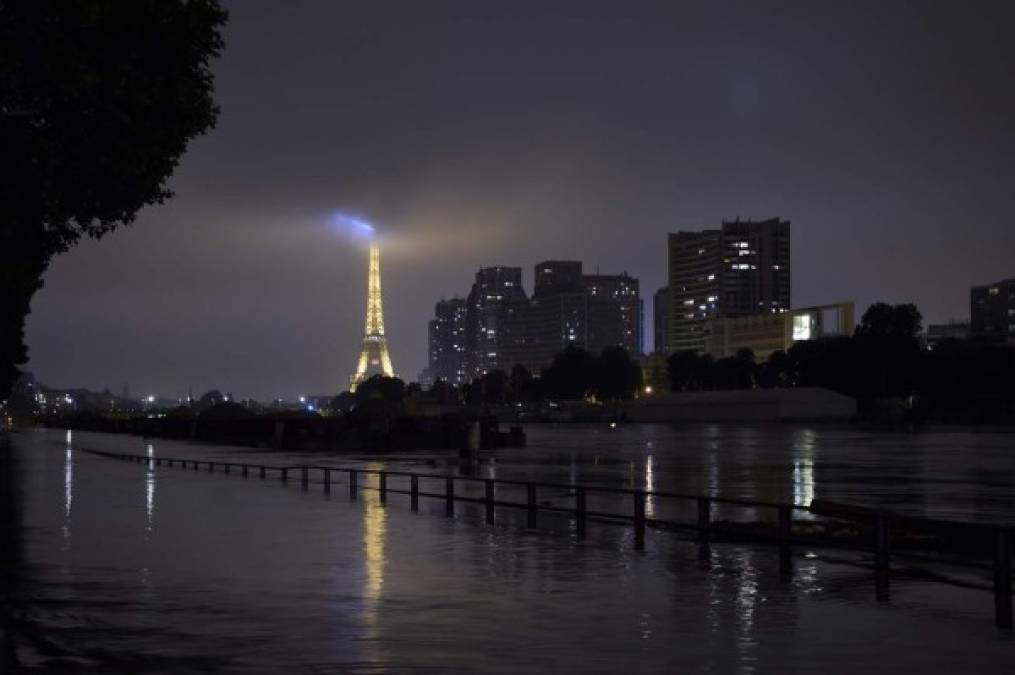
882	524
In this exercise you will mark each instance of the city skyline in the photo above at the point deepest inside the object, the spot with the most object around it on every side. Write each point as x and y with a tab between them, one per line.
722	121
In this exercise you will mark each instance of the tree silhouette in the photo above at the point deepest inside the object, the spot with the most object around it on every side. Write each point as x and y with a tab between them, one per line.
98	100
570	375
379	387
890	321
616	375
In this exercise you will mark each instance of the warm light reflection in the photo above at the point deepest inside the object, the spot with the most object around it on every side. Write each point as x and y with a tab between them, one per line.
375	526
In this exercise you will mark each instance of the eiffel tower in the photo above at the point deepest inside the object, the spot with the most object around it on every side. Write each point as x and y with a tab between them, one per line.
373	357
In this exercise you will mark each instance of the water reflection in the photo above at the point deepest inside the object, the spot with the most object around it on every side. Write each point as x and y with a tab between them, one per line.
375	526
149	491
650	485
746	604
803	466
68	489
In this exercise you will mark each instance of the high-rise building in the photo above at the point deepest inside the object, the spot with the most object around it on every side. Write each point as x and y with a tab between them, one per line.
992	311
494	295
503	327
542	328
661	319
557	276
568	308
613	297
448	354
741	269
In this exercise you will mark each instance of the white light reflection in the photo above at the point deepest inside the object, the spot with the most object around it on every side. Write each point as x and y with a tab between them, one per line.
149	490
712	444
746	604
803	467
68	489
650	485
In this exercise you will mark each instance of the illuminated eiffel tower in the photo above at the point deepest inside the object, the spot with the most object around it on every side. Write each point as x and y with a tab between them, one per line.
374	357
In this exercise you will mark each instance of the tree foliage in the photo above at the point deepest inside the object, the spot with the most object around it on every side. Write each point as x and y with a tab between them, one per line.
390	390
98	101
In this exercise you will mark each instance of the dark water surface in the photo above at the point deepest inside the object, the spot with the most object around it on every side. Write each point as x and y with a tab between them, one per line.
116	567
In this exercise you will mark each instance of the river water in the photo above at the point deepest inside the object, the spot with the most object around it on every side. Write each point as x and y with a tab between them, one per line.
117	567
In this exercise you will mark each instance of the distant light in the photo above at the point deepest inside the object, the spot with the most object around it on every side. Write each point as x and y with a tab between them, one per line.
151	399
613	425
648	388
303	399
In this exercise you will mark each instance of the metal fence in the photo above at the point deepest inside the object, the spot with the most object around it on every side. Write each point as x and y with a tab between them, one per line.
876	527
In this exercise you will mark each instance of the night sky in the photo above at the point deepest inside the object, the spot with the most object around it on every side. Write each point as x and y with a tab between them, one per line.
480	133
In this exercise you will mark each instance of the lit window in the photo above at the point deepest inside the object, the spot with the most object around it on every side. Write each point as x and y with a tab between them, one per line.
801	327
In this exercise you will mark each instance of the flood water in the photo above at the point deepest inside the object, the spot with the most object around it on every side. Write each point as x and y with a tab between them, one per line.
118	567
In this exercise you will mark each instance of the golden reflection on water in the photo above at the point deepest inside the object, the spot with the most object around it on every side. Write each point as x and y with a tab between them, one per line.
375	527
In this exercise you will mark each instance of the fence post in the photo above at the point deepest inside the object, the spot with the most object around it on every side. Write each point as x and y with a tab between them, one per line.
158	462
533	507
881	558
579	512
196	465
352	484
263	472
382	479
489	501
704	517
639	521
304	476
284	474
414	492
327	480
228	466
785	536
1002	579
245	470
449	496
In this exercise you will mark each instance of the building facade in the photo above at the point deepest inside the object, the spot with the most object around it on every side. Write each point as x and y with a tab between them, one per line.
610	294
992	311
503	327
495	295
741	269
940	332
764	334
448	352
661	320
